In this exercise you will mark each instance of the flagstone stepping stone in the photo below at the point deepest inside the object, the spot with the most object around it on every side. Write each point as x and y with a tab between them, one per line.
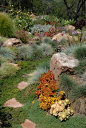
13	103
22	85
28	124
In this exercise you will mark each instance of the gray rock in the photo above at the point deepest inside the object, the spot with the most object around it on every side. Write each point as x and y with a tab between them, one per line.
60	62
12	42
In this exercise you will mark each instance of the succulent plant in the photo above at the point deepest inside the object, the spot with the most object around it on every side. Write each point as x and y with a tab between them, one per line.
40	28
61	109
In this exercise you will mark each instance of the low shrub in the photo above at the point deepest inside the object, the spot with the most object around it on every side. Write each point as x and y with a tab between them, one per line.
7	27
25	52
47	40
36	74
23	20
40	29
80	53
22	35
45	64
81	67
8	69
46	49
67	85
79	92
37	53
7	53
2	59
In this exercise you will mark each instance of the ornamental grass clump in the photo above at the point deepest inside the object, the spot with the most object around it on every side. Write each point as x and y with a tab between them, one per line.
7	27
47	40
7	53
25	52
46	49
80	53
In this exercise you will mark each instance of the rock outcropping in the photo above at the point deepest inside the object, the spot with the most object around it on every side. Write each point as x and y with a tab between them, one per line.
60	62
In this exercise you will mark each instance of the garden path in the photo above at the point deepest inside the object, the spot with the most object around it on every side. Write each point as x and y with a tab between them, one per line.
28	124
13	103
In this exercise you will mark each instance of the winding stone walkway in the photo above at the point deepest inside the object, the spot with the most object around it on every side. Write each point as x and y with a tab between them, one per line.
15	104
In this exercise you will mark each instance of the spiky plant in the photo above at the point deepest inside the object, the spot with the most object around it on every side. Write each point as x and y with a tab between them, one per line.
36	74
79	91
67	85
7	53
80	53
45	64
47	40
7	28
71	49
81	67
46	49
25	52
37	53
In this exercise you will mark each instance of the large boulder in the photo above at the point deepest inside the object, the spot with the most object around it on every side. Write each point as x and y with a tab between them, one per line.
60	63
12	42
60	36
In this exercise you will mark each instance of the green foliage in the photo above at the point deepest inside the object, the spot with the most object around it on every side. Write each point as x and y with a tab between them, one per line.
79	91
7	27
5	116
46	49
80	53
81	67
39	20
7	53
3	39
67	85
22	35
51	18
30	52
25	52
7	69
45	64
71	49
23	20
37	53
40	28
36	74
66	22
47	40
38	42
2	59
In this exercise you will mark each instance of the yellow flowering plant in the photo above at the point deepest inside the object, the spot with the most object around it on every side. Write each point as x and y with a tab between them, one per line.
22	19
47	90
